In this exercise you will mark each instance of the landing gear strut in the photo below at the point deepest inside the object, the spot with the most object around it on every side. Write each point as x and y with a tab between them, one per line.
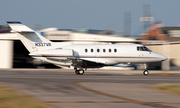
145	71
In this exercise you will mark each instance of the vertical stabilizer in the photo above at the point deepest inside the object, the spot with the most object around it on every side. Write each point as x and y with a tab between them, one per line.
32	40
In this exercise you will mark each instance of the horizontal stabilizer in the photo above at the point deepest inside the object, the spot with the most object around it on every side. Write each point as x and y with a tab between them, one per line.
17	26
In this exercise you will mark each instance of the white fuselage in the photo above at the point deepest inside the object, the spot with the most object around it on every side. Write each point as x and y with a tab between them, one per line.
107	54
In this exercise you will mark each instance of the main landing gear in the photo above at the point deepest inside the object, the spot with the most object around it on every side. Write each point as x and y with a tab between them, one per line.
145	71
79	72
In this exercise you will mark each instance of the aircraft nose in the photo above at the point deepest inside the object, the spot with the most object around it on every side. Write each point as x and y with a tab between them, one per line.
163	58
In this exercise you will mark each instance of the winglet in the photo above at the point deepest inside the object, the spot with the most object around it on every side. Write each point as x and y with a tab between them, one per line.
17	26
14	22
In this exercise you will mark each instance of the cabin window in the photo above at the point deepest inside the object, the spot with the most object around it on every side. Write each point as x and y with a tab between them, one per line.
115	50
104	50
98	50
92	50
109	50
86	50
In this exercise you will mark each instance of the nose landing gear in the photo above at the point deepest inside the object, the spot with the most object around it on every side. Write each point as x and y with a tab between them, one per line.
145	71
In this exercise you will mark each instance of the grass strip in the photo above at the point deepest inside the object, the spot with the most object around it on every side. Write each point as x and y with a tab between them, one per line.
10	99
171	88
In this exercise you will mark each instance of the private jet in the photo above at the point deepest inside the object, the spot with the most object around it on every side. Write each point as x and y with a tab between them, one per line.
83	56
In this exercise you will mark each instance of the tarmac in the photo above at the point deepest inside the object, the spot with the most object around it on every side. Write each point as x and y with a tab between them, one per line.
95	89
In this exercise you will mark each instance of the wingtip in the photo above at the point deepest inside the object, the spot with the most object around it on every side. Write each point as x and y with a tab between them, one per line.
14	22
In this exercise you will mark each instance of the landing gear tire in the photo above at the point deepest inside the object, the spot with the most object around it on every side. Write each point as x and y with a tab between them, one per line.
79	72
146	72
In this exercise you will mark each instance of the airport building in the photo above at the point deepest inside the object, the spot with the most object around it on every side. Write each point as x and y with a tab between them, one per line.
170	34
84	36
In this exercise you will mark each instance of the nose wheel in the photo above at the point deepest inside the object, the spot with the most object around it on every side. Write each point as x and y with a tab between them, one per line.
146	72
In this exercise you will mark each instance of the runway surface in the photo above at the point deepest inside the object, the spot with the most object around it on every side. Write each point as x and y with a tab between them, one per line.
94	89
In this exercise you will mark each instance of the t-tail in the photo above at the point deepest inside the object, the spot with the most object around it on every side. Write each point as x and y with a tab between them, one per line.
32	40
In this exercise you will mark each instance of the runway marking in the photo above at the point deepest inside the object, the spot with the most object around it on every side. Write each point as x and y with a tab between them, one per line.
166	103
105	102
87	102
152	104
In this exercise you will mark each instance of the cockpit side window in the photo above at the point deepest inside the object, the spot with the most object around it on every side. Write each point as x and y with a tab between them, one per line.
137	48
146	49
142	48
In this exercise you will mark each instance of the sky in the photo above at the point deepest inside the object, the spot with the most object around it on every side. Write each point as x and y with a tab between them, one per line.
88	14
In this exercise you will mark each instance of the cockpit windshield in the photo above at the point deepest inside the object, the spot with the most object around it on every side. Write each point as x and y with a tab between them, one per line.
142	48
